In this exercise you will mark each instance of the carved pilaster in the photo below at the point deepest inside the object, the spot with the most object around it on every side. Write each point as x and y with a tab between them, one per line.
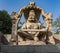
14	28
48	21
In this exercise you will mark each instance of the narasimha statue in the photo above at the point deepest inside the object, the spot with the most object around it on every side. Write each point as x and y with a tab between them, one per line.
32	29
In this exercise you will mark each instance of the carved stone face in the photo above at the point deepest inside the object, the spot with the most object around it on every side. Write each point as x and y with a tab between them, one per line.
32	17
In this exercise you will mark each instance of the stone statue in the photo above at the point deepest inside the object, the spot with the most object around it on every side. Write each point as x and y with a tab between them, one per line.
32	28
32	23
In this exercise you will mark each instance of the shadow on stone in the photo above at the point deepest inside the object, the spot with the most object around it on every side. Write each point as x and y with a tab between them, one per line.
4	40
57	41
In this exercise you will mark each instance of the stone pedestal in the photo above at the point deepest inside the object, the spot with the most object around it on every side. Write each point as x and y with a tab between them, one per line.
30	49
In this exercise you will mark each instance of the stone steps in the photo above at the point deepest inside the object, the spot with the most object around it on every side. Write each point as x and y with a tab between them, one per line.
30	49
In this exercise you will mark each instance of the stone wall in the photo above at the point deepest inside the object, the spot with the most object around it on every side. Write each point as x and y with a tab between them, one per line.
31	49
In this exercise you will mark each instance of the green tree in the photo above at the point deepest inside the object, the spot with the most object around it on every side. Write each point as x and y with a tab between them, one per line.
5	22
56	25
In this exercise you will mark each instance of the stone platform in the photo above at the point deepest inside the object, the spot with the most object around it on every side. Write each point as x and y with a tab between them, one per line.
30	49
31	43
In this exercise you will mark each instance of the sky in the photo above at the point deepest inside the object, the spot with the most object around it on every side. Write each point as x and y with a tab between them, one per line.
49	6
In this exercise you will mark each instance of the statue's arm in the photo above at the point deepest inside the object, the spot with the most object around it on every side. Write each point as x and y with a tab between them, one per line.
25	27
39	27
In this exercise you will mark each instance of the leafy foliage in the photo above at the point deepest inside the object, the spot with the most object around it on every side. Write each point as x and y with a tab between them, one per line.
56	25
5	22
